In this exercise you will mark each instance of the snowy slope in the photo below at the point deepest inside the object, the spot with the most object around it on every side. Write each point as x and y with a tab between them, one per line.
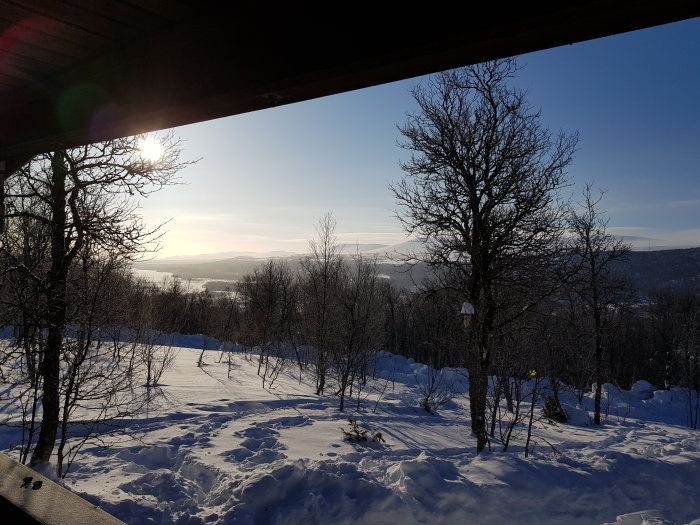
215	450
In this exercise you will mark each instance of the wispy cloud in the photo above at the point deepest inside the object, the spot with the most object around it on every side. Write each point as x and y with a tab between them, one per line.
683	203
656	238
621	207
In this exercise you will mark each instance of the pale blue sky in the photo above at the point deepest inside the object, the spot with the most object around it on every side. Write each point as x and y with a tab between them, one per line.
266	177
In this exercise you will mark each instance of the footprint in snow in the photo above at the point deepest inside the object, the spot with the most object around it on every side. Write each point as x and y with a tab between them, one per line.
250	460
258	432
259	446
288	422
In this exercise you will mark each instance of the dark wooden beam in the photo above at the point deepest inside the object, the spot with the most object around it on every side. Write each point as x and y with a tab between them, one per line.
238	57
27	497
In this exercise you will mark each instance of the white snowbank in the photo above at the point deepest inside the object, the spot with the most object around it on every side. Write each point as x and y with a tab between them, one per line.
220	451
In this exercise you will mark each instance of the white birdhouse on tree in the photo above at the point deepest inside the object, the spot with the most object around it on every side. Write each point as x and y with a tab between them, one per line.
467	313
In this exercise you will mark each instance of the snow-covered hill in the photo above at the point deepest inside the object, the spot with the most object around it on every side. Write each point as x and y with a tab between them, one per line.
217	450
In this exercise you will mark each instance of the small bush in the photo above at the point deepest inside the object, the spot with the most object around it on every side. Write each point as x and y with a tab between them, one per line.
553	411
425	404
356	434
435	390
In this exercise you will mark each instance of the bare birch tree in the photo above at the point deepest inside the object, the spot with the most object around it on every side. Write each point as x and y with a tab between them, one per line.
597	286
360	325
83	195
319	280
480	190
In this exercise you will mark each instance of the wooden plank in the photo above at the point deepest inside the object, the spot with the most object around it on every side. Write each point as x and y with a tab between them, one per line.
124	14
53	25
7	77
46	34
172	10
48	58
37	499
78	18
29	64
242	57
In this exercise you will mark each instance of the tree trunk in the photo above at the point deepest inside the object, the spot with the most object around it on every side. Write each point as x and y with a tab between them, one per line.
598	366
478	374
495	410
478	390
477	400
531	418
56	315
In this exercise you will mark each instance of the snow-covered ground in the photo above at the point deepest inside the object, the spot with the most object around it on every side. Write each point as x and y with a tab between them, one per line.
218	450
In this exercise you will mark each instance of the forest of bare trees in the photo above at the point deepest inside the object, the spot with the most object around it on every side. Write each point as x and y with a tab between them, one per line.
329	327
87	342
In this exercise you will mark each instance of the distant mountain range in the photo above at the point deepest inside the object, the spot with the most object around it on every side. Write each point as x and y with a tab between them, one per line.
211	257
654	270
647	270
347	249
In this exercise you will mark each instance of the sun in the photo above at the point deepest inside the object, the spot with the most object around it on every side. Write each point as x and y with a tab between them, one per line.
151	149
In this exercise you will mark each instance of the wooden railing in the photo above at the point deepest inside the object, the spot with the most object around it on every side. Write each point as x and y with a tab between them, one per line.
28	497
